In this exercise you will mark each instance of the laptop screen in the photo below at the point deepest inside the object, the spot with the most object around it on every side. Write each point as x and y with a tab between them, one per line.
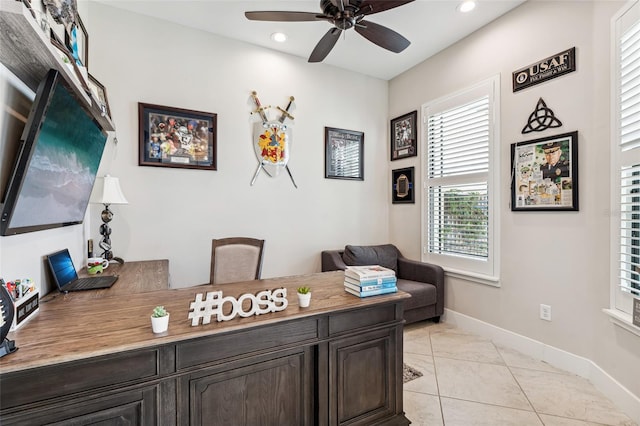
62	267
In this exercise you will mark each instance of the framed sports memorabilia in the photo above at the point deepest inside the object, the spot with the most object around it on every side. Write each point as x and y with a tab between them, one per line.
403	186
344	154
176	137
404	135
545	174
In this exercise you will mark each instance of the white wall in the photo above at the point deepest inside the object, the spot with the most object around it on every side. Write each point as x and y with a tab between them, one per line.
556	258
174	213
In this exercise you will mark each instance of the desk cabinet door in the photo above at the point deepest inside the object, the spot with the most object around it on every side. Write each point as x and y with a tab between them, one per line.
274	390
363	378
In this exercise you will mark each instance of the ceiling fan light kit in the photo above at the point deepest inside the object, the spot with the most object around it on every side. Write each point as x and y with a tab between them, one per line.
343	15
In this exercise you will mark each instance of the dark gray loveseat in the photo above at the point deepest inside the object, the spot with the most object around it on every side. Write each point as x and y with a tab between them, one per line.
424	281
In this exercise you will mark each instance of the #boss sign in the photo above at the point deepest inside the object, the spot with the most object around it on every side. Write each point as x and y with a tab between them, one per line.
262	302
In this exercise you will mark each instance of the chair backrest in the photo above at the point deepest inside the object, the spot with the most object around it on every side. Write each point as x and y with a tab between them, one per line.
236	259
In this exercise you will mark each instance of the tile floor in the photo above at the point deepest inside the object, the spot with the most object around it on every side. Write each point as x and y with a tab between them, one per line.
468	380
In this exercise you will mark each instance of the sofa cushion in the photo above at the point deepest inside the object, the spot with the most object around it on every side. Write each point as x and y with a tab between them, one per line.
422	294
384	255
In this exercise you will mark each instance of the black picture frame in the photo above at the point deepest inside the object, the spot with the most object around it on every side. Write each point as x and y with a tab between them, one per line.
82	41
176	137
404	135
344	154
403	186
99	94
537	184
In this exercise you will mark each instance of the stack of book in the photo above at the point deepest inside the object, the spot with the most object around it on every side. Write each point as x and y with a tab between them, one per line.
364	281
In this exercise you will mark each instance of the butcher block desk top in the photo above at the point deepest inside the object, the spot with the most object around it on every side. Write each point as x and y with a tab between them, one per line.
133	277
69	328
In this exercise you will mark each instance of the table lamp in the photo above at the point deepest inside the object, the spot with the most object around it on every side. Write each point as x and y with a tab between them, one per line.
109	193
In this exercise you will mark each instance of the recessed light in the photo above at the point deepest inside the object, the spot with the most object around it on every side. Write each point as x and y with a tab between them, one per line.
279	37
467	6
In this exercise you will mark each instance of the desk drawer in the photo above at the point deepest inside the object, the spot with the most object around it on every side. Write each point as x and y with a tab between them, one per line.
353	320
216	348
40	384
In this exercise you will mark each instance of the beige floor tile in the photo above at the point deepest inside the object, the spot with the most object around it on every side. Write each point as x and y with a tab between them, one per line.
479	382
563	421
417	345
465	413
422	409
458	345
427	383
567	395
514	358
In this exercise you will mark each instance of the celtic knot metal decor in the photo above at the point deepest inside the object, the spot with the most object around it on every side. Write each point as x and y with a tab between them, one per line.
541	119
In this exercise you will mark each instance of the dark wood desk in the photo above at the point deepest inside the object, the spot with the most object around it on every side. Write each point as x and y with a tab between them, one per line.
96	360
133	277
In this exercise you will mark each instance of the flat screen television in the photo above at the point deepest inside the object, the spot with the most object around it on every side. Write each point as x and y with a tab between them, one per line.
56	166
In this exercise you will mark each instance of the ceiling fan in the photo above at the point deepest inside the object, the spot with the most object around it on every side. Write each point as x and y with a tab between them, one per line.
344	14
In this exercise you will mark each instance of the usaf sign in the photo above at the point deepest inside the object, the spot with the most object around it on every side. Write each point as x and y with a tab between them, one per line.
546	69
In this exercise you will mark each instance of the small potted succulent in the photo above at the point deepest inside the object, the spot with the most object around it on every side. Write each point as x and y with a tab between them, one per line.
304	296
159	319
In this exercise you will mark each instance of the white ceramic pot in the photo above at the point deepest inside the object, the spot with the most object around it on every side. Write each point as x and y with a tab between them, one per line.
304	299
160	325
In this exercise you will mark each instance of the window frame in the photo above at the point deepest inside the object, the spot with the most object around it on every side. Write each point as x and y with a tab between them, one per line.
479	271
621	302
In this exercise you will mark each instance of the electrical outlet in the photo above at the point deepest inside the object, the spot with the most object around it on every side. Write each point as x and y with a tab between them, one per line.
545	312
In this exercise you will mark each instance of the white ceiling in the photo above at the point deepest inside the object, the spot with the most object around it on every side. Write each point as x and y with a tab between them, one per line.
430	25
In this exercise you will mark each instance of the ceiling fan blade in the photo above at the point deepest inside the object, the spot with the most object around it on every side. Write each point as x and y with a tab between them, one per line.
285	16
382	36
369	7
325	45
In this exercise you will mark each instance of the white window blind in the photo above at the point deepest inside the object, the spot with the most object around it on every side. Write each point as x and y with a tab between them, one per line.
459	214
627	160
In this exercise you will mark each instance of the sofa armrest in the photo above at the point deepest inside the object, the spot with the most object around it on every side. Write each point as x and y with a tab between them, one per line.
332	260
426	273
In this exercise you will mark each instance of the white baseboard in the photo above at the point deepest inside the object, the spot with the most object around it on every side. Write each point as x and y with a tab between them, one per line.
583	367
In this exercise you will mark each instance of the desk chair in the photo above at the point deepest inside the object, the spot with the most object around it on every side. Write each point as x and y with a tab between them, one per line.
236	259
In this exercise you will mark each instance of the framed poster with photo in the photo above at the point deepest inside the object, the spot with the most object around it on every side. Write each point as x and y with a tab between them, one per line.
403	186
544	174
80	45
344	154
99	93
176	137
404	134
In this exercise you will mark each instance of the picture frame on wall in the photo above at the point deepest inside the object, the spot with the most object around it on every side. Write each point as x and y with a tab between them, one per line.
344	154
404	134
176	137
99	94
82	42
403	186
545	174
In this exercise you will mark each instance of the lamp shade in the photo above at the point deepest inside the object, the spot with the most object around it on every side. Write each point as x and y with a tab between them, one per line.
110	192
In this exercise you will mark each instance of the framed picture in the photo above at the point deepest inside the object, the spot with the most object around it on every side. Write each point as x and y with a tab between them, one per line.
404	135
402	185
544	174
344	154
99	94
81	49
176	137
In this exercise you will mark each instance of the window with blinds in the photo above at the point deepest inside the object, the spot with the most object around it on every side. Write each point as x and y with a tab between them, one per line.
626	160
459	180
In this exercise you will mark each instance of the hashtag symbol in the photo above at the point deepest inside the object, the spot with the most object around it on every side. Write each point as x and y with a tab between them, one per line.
204	308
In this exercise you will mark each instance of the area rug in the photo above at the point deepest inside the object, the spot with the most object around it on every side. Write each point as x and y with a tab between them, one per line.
409	373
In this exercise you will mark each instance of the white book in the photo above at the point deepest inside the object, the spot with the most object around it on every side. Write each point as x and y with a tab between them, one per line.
368	272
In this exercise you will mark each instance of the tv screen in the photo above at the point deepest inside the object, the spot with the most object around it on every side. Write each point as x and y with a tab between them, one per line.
62	145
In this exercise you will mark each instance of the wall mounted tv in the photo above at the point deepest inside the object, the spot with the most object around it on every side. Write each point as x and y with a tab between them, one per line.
56	166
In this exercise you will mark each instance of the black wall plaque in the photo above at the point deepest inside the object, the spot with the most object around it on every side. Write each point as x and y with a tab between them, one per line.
546	69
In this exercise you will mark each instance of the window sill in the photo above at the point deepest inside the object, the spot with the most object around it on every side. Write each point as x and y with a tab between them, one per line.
473	277
622	320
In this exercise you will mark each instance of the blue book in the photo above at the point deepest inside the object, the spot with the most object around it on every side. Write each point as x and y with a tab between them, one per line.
372	281
371	293
366	288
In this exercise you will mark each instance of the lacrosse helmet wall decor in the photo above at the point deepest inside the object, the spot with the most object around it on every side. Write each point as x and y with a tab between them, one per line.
272	139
